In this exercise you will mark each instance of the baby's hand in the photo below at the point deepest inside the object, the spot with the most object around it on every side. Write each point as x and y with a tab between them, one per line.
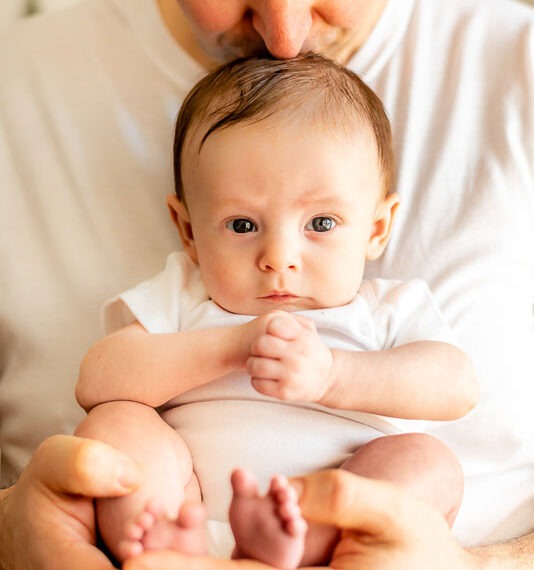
289	361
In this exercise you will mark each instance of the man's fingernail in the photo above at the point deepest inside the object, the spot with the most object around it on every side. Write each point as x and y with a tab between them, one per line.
128	473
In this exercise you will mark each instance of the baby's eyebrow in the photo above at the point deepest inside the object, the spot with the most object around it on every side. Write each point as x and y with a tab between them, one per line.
237	203
305	200
319	201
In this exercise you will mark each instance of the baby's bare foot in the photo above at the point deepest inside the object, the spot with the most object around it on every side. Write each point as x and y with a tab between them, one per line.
153	530
270	528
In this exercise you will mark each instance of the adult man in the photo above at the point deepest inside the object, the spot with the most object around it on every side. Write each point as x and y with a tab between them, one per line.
88	98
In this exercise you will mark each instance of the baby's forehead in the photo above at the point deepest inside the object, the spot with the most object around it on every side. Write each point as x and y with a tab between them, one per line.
300	161
280	122
291	132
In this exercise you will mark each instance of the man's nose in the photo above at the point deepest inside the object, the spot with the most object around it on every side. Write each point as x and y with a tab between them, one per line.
283	24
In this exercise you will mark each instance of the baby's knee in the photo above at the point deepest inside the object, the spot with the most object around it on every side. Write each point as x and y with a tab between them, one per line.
436	454
440	470
416	461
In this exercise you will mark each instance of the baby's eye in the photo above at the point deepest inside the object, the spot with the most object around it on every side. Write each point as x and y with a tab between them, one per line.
241	226
321	224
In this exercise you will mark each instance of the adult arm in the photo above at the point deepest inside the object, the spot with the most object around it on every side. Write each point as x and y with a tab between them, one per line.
47	518
383	528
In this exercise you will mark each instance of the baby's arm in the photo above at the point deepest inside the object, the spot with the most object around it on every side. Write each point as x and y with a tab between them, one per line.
425	380
428	380
132	364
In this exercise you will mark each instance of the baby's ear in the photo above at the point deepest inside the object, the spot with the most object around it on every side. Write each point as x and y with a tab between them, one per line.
180	218
383	223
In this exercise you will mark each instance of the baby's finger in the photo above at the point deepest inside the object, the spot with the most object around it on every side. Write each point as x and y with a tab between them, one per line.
266	387
265	368
305	322
284	326
275	389
269	346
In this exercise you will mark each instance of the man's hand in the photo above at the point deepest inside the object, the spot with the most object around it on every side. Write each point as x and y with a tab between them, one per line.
288	360
383	528
47	518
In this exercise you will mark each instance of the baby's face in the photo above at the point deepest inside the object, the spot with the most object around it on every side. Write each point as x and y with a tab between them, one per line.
284	217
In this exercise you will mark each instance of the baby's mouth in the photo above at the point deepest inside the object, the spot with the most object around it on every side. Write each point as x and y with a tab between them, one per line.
280	296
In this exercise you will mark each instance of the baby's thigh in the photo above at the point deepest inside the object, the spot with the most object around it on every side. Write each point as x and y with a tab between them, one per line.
138	431
419	462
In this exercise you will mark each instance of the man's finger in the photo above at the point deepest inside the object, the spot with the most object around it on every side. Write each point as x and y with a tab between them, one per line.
80	466
165	560
346	501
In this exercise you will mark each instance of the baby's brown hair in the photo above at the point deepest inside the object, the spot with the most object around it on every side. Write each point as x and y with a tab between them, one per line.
252	89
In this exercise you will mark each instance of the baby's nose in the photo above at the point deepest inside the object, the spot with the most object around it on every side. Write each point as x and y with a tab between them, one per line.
279	255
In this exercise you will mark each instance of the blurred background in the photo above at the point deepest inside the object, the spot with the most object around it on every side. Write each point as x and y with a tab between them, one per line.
11	10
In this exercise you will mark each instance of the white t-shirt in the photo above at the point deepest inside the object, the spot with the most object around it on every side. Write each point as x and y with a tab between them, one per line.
227	424
88	98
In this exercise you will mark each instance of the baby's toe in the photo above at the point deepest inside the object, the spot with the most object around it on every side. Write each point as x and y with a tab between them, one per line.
130	548
296	526
244	484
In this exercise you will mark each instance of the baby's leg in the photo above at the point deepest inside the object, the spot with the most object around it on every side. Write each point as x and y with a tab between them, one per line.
267	528
150	517
271	529
418	462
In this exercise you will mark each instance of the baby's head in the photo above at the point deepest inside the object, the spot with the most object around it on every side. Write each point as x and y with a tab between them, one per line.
283	172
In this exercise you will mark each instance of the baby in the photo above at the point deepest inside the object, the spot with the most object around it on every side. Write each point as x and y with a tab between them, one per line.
260	345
